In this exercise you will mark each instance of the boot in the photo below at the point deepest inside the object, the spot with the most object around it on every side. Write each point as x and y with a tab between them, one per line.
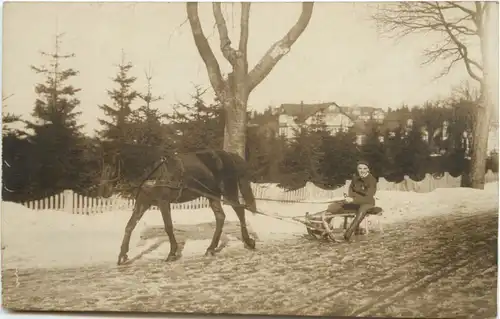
354	225
360	231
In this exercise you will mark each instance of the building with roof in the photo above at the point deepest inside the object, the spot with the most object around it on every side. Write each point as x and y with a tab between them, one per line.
334	117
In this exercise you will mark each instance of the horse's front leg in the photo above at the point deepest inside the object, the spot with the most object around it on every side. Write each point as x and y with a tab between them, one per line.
139	210
219	224
169	228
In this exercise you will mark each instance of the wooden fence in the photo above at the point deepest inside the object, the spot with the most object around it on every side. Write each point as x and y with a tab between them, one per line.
78	204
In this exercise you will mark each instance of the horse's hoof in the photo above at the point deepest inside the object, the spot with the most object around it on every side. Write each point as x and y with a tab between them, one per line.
171	258
347	240
122	259
250	244
210	252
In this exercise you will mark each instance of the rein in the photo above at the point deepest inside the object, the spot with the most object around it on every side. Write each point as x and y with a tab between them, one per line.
230	203
181	186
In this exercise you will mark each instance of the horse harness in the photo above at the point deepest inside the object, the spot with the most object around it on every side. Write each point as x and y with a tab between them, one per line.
181	185
178	185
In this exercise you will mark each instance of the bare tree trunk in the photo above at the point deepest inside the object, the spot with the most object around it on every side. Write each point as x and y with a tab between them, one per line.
235	115
234	131
480	145
489	94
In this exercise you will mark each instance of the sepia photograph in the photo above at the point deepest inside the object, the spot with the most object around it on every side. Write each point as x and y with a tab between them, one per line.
333	159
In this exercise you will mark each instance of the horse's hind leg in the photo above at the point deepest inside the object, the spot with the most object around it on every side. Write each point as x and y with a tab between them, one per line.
220	217
139	210
231	194
169	228
240	212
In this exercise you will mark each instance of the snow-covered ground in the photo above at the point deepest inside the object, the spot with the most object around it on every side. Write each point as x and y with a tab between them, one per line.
57	239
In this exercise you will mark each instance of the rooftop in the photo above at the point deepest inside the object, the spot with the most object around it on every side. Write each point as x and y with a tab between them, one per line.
303	111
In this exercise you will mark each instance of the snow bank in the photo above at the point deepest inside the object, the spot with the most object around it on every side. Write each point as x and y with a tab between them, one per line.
404	206
57	239
45	238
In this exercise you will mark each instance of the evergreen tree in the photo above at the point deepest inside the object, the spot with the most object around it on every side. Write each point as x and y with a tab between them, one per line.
148	132
116	129
304	158
259	152
198	125
13	151
373	150
340	156
295	166
8	118
148	128
263	149
55	134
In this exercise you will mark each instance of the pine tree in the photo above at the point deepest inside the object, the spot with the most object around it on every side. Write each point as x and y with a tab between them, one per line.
340	155
373	150
148	134
258	153
303	158
146	121
55	134
13	173
198	125
116	129
8	118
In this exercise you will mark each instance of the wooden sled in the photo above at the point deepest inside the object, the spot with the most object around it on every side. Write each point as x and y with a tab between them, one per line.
321	225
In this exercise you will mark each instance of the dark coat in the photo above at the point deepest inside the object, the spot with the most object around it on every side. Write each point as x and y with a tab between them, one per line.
363	190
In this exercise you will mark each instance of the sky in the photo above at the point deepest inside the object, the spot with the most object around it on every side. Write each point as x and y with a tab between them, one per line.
341	57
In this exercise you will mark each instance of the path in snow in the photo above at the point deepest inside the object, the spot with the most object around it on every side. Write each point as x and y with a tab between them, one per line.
57	239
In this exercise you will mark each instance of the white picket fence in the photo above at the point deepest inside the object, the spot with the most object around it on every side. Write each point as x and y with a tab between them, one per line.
74	203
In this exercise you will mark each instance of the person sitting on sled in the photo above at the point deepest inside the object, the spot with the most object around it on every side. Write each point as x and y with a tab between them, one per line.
360	197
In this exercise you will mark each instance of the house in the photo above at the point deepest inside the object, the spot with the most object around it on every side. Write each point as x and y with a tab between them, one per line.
336	118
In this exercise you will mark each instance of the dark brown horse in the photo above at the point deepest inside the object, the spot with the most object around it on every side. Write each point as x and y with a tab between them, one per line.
183	177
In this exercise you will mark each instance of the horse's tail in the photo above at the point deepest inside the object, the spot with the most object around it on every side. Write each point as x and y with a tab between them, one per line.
241	171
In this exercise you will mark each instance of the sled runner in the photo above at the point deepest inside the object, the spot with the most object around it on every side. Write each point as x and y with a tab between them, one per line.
321	225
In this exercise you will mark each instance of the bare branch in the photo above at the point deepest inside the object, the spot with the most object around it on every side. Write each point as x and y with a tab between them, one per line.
448	68
206	53
7	97
225	43
404	18
462	49
245	18
178	27
464	9
281	47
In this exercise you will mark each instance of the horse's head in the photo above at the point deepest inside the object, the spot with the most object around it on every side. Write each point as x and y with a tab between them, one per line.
110	176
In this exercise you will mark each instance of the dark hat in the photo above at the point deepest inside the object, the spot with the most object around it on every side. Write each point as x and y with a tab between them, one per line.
363	162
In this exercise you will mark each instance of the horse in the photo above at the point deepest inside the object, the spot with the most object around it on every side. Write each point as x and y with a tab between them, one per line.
183	177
